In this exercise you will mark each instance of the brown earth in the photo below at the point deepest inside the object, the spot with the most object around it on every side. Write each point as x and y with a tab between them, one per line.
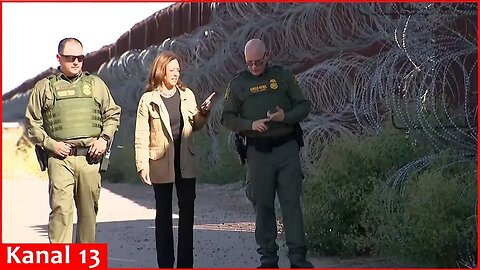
223	235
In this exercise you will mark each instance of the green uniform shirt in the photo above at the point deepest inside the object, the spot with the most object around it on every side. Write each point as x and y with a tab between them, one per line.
42	98
249	98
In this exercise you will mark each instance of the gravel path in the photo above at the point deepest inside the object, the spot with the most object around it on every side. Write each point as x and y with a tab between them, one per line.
223	236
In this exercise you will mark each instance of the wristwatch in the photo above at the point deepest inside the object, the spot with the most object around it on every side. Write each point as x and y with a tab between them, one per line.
105	137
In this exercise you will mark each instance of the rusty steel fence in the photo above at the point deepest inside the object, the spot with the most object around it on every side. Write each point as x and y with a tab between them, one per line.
175	20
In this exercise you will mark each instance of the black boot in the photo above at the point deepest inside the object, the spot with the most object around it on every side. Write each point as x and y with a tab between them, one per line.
304	264
268	265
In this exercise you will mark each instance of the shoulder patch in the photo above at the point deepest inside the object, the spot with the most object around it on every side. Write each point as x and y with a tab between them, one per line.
227	92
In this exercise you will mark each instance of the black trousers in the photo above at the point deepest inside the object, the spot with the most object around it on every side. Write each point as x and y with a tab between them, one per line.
163	221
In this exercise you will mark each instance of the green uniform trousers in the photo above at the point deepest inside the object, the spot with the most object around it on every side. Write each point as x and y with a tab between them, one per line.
278	171
73	179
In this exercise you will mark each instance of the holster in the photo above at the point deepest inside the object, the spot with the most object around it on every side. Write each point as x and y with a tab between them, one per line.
241	147
42	157
105	161
297	130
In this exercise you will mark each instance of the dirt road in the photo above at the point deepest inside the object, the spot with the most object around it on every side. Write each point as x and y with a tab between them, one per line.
223	235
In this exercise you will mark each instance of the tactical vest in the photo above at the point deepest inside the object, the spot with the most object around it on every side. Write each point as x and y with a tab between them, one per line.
74	114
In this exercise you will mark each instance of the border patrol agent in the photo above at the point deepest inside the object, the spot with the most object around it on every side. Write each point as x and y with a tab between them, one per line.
265	103
72	115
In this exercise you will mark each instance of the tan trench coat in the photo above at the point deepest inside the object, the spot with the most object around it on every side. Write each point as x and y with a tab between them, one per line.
154	149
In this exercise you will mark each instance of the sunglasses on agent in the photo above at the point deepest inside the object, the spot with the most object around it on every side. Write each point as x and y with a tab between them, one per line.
71	58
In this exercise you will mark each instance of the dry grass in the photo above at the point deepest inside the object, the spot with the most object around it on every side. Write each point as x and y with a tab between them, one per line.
18	155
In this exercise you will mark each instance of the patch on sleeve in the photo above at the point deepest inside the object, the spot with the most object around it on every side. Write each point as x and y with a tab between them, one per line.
227	92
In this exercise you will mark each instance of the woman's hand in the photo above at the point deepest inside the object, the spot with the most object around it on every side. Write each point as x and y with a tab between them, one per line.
145	177
206	105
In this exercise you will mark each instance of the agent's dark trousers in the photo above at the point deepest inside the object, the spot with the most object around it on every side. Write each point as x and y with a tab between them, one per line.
277	172
163	223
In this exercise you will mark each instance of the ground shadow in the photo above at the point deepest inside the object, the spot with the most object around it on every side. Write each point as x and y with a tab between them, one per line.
131	244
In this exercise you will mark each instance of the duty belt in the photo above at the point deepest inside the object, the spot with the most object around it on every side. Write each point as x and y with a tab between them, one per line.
265	144
78	151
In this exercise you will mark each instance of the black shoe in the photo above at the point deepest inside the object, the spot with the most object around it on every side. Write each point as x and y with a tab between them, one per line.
304	264
268	265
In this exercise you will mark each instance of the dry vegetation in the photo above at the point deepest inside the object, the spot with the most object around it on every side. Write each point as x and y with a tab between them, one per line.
18	155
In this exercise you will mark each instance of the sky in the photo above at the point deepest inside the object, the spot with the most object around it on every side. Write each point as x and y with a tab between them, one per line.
31	32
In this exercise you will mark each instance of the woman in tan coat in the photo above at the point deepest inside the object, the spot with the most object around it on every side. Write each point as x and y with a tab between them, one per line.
167	115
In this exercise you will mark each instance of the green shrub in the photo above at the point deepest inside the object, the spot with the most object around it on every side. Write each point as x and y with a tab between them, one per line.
435	223
216	163
337	190
18	156
122	167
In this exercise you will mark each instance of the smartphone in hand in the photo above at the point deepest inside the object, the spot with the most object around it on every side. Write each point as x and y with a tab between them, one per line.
208	98
207	104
